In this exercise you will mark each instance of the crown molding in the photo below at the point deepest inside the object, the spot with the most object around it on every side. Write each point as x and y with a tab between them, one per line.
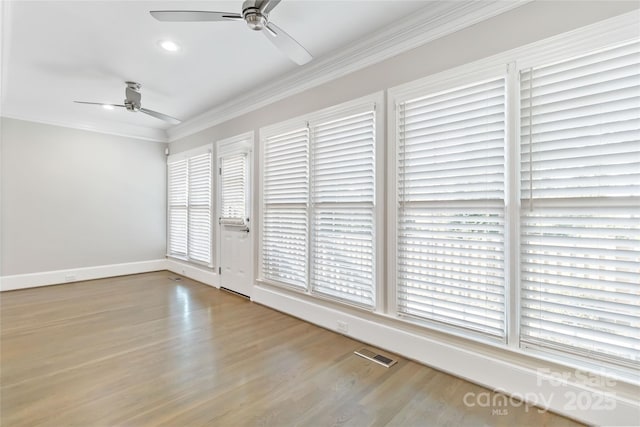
122	130
432	22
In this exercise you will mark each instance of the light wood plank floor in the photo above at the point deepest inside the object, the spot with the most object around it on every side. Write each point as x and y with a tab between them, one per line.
144	351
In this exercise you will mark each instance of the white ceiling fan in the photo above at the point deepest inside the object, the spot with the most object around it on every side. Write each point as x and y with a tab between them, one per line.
256	14
132	103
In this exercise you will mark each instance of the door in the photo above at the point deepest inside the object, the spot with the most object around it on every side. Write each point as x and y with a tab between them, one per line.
234	218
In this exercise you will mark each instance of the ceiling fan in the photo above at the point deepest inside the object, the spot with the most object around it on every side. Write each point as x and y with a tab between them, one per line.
132	103
256	14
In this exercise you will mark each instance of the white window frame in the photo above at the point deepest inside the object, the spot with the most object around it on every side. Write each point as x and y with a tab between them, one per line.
185	155
375	101
614	32
440	83
264	133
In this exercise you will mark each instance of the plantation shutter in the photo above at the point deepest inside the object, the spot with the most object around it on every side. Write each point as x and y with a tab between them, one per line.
233	179
200	208
178	212
450	243
343	159
285	208
580	232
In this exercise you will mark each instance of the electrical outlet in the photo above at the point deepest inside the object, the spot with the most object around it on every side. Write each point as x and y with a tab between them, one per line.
70	278
343	327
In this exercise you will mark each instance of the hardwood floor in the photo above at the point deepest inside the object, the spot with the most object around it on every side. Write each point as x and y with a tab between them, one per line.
144	350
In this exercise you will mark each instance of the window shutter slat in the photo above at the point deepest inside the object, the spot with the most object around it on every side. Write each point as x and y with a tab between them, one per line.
450	243
580	222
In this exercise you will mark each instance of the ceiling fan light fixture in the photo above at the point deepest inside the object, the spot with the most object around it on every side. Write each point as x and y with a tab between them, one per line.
255	21
169	45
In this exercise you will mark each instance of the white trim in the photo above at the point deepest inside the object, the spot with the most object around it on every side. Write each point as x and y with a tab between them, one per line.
391	217
201	274
185	155
379	194
447	80
353	107
512	207
57	277
430	23
236	144
122	129
496	369
291	125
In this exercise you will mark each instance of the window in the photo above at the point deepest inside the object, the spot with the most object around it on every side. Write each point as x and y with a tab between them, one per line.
451	220
189	200
319	205
343	191
580	218
178	208
558	265
513	202
233	184
285	216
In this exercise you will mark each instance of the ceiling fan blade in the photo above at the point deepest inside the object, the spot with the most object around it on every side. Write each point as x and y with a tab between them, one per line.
99	103
193	16
267	6
161	116
287	44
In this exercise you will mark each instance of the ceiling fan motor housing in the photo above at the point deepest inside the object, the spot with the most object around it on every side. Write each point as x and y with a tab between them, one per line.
133	96
253	16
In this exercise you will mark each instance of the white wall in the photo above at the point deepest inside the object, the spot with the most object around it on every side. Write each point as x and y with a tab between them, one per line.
72	198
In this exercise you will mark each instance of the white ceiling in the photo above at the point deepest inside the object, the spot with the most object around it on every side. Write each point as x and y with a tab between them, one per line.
55	52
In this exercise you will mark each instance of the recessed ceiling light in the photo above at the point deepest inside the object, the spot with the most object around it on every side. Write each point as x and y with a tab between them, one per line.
169	46
108	107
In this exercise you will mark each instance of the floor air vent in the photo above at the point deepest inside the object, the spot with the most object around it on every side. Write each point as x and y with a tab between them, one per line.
175	279
375	357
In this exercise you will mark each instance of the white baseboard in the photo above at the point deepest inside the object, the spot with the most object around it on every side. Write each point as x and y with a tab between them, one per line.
45	278
201	274
518	377
57	277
